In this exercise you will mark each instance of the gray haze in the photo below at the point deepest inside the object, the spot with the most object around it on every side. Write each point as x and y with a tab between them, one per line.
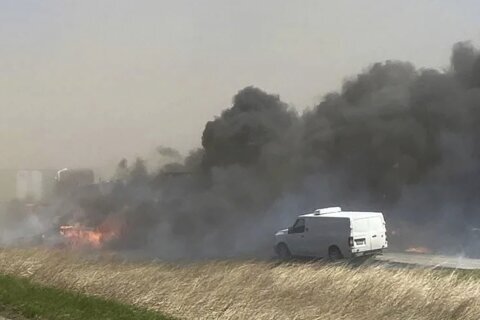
85	83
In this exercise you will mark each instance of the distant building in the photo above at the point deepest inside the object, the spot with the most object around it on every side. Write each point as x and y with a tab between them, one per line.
8	184
26	185
34	185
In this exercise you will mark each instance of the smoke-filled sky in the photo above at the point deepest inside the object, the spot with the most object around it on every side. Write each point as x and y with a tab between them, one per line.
85	83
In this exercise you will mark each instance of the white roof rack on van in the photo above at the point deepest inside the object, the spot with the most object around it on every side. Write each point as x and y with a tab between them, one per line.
327	210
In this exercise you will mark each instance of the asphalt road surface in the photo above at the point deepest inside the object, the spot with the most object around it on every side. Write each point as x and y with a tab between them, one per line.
430	260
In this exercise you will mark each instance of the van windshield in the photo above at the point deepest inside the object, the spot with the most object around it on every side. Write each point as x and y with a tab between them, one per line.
298	226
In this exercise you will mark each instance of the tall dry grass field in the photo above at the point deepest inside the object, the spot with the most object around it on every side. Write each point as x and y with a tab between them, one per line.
255	290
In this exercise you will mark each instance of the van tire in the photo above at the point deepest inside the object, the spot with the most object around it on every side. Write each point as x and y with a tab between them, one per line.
334	253
283	252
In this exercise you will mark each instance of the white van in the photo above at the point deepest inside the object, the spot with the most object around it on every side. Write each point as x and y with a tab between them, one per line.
333	233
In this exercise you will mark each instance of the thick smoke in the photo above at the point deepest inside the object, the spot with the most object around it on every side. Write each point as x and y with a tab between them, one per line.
395	138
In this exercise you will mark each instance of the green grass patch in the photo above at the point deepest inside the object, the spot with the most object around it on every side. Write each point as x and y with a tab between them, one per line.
33	301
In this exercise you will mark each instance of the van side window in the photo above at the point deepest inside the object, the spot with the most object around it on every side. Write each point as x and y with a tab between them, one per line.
299	226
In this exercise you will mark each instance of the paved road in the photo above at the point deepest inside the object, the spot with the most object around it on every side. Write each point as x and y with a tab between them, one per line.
430	260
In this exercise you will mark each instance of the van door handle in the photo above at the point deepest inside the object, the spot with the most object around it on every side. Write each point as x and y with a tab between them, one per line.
302	236
374	236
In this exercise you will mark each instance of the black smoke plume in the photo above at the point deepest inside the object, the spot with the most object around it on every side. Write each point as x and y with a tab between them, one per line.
395	138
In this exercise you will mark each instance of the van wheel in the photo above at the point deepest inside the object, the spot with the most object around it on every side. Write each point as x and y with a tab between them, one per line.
334	254
283	252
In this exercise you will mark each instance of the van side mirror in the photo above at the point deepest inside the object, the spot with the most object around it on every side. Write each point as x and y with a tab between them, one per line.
290	229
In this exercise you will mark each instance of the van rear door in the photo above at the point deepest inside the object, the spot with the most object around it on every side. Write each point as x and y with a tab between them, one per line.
362	235
377	228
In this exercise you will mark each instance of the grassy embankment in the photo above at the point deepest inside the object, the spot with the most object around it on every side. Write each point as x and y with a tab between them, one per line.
257	290
22	299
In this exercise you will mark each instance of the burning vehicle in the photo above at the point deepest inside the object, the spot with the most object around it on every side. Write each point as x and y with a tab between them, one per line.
78	236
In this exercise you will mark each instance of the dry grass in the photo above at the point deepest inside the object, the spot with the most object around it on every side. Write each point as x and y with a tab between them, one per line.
256	290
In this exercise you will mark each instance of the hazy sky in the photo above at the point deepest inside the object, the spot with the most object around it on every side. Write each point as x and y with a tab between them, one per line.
86	82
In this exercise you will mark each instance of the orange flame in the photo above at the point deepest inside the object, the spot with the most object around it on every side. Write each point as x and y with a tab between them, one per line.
78	236
421	250
113	227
